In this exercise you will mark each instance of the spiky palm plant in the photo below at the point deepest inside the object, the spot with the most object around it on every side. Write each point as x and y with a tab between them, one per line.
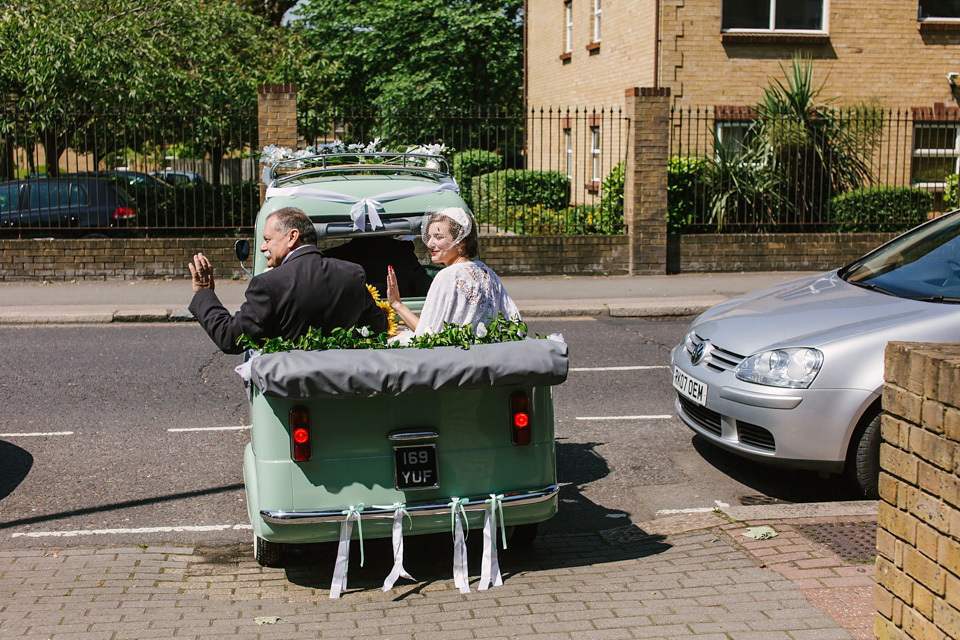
813	150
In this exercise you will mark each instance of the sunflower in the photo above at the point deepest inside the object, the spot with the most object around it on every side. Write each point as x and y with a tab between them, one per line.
383	304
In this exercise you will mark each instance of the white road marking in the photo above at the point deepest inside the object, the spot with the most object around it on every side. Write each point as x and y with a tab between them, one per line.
659	417
36	435
100	532
630	368
673	512
234	428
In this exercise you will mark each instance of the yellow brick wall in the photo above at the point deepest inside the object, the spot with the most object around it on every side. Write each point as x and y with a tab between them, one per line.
918	540
625	57
875	53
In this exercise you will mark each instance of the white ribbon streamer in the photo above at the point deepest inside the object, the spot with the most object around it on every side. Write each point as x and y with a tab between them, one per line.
362	208
461	574
491	564
397	535
339	583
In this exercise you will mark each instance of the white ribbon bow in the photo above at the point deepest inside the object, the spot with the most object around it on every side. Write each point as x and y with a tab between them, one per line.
461	574
339	583
491	565
397	536
363	208
366	208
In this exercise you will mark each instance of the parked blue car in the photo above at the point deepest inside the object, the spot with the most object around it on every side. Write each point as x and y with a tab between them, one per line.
73	202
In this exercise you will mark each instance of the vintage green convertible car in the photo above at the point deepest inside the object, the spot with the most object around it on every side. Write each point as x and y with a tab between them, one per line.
440	435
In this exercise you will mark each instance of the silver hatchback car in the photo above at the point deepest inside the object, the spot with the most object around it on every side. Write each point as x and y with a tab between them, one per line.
792	375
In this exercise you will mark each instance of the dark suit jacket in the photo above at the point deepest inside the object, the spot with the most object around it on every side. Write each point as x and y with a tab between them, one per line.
308	290
376	253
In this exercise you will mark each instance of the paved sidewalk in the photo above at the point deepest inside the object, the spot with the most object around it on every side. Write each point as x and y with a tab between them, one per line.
688	576
167	300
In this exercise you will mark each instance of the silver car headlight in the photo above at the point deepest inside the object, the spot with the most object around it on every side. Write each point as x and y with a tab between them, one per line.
789	368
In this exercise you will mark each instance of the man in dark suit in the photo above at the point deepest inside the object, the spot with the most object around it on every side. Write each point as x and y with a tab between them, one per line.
303	289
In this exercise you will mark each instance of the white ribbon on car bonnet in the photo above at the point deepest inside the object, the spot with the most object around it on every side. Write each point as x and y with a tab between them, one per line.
363	208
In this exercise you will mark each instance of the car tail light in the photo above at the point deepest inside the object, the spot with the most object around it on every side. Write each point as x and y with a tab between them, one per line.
300	434
520	418
123	213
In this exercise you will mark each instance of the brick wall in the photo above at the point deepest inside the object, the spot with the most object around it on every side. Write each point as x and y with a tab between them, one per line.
771	252
918	539
151	258
111	259
886	59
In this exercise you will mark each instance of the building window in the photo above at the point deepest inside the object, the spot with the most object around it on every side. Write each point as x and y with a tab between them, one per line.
734	135
773	15
568	26
568	145
595	153
596	20
936	151
939	10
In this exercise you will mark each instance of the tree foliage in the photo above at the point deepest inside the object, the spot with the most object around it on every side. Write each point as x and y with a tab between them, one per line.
410	55
60	68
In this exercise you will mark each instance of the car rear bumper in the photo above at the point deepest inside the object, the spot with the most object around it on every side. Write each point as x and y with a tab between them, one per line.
415	509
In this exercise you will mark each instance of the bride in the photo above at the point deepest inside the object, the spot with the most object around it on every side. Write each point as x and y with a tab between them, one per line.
464	292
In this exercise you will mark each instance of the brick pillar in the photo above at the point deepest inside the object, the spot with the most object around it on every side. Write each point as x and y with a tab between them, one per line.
277	117
645	189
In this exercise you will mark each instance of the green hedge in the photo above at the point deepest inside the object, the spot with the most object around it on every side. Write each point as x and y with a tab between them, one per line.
880	209
686	187
950	193
467	165
498	195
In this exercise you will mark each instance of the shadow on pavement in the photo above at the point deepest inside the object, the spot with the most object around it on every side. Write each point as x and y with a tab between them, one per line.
16	464
114	506
778	483
579	535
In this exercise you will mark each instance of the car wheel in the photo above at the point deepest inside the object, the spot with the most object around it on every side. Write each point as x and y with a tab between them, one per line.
863	464
521	535
267	554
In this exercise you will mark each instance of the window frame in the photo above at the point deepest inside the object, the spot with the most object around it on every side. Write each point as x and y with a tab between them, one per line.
568	147
935	152
595	152
597	12
922	18
772	28
568	26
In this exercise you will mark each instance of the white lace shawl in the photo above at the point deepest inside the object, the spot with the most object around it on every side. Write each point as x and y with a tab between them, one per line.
465	293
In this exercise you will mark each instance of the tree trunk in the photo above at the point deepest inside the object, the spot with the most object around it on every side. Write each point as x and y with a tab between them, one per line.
52	148
216	162
7	166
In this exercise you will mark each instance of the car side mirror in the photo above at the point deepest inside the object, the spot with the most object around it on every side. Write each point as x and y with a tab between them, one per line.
242	247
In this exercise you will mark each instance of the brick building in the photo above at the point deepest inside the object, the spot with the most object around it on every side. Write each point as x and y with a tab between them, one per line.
898	54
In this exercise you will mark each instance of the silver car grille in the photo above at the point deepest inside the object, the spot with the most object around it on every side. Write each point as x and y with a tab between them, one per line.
714	357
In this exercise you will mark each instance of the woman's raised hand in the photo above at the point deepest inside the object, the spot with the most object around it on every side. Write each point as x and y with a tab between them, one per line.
393	291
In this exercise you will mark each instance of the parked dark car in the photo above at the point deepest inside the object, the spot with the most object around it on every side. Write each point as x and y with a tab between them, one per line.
73	202
133	179
177	178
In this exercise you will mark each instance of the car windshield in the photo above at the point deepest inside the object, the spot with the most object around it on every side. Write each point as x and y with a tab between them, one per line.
923	264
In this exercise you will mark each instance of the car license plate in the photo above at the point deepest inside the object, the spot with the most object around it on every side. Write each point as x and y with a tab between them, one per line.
415	467
690	387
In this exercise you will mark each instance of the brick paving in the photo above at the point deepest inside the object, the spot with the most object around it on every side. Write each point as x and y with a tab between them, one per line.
711	583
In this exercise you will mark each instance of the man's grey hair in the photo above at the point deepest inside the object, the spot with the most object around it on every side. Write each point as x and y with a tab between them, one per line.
292	218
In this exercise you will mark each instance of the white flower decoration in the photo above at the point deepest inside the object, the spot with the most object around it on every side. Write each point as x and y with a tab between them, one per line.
481	330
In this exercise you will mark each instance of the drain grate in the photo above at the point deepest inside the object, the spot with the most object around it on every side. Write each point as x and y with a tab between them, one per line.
852	541
749	501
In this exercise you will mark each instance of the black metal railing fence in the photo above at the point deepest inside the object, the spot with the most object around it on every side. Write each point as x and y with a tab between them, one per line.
867	169
540	171
182	173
